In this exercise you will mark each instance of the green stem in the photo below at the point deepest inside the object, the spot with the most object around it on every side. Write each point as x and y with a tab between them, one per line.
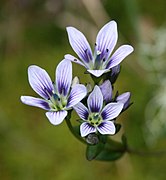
72	130
146	153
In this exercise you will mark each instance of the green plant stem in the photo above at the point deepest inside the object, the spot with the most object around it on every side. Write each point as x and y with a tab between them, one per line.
72	130
145	153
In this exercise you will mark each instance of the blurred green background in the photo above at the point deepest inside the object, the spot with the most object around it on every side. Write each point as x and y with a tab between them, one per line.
33	32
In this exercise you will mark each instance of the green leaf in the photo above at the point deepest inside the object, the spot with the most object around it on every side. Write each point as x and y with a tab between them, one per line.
118	127
112	151
107	155
93	150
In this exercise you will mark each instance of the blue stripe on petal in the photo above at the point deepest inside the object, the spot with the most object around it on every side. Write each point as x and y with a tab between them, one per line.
111	111
107	39
106	89
86	129
119	55
78	92
82	111
106	127
79	44
95	100
56	117
64	77
37	102
124	98
73	59
40	81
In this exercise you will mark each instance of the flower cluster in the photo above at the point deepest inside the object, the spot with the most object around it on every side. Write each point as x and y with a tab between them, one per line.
96	108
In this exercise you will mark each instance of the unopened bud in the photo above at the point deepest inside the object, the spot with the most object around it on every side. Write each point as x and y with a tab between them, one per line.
92	139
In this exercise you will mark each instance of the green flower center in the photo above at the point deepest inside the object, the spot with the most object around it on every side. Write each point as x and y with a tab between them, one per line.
95	119
57	103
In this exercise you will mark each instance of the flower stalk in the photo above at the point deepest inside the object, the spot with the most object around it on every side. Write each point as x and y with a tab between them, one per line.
71	128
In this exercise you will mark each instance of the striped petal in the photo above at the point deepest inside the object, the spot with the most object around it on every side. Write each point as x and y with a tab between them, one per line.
106	89
98	73
73	59
40	81
111	111
107	39
119	55
106	127
82	111
124	98
86	129
78	92
37	102
79	44
64	77
95	100
57	117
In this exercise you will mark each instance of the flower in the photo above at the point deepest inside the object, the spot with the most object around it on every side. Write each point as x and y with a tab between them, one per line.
101	61
125	99
106	89
96	117
58	97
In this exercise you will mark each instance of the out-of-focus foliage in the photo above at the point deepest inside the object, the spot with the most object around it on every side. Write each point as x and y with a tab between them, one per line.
33	32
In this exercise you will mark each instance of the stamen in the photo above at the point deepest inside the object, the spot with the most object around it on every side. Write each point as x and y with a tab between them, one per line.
107	50
98	52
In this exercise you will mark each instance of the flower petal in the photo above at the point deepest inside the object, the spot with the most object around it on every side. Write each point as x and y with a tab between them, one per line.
124	98
78	92
64	77
82	111
106	127
79	44
40	81
95	100
107	39
98	73
86	129
115	70
37	102
111	111
73	59
119	55
106	89
56	117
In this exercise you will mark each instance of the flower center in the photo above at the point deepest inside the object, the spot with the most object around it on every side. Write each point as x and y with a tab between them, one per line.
100	58
57	102
95	119
97	61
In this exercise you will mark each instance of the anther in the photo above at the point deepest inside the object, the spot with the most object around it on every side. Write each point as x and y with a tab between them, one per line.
85	50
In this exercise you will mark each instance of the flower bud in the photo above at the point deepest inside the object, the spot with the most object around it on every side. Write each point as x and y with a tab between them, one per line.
125	99
75	81
92	139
